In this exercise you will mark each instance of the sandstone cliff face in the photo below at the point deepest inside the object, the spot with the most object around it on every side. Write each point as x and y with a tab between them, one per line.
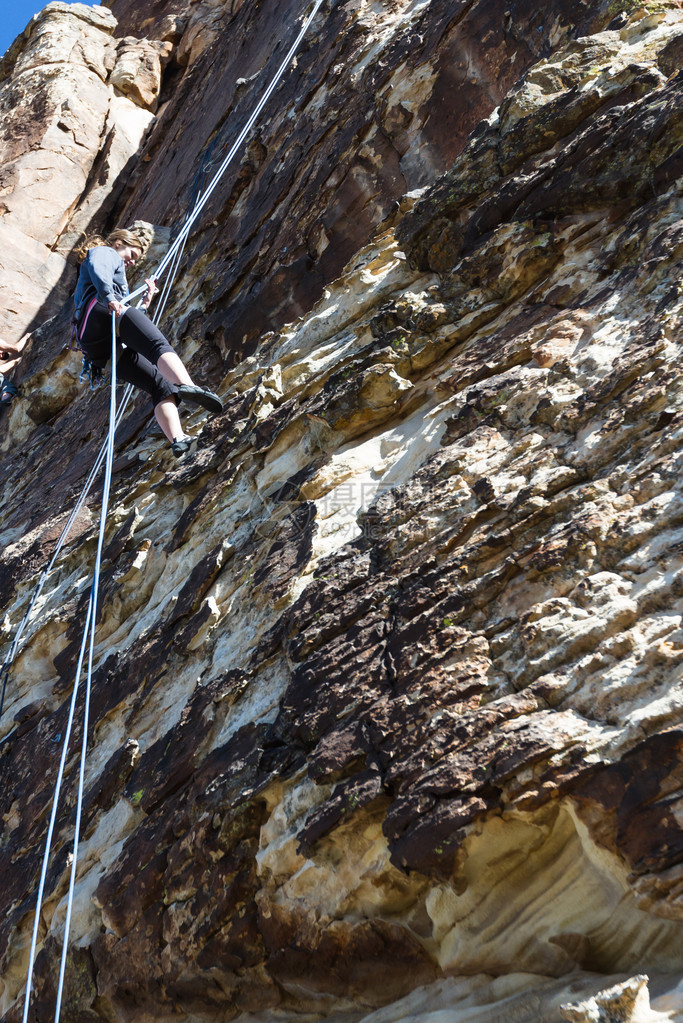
75	106
387	714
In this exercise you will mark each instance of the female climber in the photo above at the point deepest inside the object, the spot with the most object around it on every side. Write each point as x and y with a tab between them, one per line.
147	361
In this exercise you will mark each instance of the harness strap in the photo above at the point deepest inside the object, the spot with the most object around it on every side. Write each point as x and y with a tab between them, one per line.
77	330
91	305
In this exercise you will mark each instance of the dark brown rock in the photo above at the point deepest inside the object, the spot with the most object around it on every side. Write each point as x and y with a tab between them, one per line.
356	170
325	733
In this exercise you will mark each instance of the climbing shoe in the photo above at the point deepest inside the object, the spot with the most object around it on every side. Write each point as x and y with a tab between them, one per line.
182	445
207	399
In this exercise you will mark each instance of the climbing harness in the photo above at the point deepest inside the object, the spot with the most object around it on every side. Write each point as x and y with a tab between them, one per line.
171	259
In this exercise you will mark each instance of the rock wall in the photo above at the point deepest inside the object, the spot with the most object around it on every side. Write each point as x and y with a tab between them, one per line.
386	720
74	106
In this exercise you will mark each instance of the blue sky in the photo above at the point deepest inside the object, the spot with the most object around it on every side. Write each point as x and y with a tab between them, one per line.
16	15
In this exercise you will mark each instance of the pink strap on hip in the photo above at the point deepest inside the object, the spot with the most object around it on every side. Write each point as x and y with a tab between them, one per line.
91	306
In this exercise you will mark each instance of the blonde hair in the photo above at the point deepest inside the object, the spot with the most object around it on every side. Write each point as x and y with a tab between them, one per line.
91	241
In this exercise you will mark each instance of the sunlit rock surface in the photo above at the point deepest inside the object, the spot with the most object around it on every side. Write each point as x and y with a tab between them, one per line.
386	720
68	131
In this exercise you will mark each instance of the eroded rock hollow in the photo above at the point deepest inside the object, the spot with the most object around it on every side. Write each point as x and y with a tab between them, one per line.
386	718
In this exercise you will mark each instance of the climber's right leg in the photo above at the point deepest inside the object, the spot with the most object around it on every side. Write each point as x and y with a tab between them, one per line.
138	332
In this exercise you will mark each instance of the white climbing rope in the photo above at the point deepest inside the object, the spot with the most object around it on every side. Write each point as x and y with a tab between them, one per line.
14	646
173	257
234	149
48	840
127	394
11	654
88	632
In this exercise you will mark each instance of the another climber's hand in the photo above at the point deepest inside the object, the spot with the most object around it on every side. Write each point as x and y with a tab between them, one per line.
11	349
116	307
151	292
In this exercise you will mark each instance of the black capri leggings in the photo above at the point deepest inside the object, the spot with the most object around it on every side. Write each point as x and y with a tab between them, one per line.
136	363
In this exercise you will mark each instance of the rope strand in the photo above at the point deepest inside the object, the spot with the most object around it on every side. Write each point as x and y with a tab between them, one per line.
106	454
50	830
201	203
173	257
88	632
94	594
9	659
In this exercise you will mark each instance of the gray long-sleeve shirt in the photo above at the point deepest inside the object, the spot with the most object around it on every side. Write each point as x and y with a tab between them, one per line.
103	275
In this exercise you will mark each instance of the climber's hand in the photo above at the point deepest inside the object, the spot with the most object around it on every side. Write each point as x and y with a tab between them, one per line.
151	292
116	307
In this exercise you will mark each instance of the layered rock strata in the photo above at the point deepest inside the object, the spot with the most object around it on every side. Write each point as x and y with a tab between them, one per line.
383	99
386	713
